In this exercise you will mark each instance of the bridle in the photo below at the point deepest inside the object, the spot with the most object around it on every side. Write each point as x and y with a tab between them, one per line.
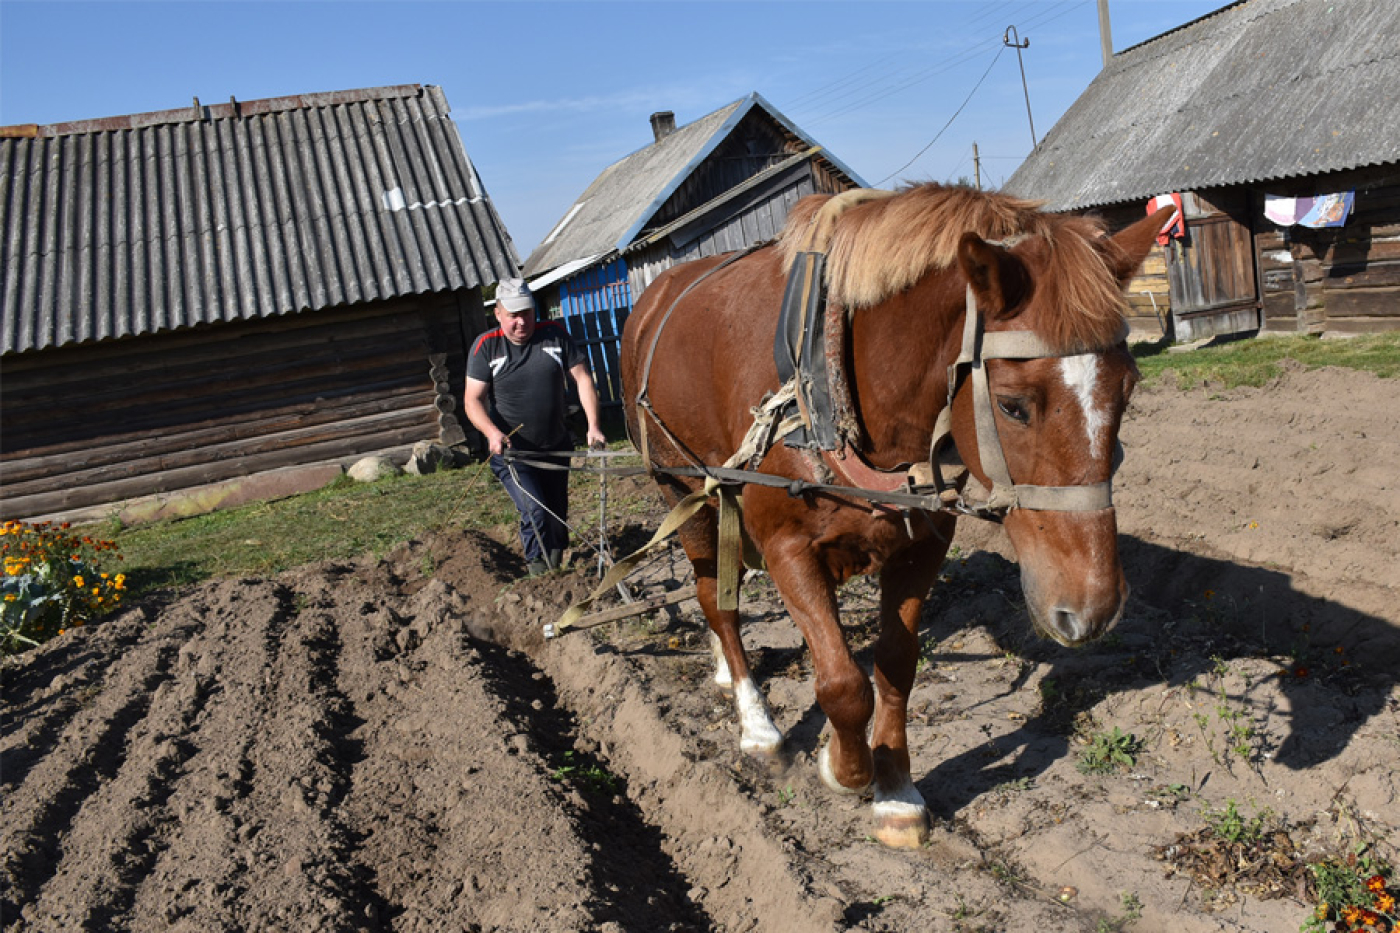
978	346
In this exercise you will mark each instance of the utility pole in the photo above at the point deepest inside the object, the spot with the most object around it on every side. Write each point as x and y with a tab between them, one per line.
1105	33
1018	45
976	167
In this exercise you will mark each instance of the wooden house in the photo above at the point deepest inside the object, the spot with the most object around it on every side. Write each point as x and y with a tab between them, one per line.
717	184
1260	110
228	301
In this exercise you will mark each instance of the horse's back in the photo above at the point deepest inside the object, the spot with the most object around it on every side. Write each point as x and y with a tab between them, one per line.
700	342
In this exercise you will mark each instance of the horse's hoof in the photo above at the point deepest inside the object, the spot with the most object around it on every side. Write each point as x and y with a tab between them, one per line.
766	748
829	777
903	830
901	818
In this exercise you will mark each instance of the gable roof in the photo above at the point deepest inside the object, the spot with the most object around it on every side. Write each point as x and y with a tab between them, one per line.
1257	91
623	199
137	224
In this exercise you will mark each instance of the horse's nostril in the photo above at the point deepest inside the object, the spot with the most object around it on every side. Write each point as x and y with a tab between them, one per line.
1066	623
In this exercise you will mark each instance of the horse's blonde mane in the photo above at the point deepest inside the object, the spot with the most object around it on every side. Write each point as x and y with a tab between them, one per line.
879	243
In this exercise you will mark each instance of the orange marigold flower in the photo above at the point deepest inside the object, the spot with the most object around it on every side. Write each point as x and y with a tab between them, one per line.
1385	903
79	581
1375	884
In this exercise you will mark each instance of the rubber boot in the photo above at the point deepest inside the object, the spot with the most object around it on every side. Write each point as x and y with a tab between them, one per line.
556	558
536	567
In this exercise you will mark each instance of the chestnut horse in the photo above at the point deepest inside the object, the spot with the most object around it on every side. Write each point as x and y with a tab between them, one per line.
905	268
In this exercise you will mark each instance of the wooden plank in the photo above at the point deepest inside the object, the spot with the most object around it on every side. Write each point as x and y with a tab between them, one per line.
1362	276
116	448
24	431
252	365
1369	325
1358	303
284	447
72	497
209	344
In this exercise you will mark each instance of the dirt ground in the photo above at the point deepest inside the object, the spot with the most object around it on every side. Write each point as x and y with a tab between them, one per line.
390	745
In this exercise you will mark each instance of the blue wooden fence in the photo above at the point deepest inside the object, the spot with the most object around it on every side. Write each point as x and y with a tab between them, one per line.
593	306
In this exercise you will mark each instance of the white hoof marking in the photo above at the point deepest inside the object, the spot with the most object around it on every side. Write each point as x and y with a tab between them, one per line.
723	679
829	777
758	733
905	802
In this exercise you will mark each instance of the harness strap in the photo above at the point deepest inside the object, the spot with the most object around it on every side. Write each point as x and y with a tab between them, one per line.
643	394
978	346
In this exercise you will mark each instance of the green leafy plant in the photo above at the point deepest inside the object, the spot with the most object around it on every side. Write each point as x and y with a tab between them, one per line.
53	581
589	777
1132	912
1230	824
1110	751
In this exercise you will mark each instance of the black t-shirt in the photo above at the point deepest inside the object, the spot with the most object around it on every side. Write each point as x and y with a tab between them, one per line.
527	384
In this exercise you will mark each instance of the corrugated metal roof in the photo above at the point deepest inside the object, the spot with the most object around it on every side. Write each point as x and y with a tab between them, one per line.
151	222
621	201
1258	91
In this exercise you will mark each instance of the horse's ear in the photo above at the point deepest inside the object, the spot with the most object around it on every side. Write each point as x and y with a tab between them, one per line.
998	279
1135	242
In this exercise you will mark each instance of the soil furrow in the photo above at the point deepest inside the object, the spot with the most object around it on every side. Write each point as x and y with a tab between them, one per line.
92	750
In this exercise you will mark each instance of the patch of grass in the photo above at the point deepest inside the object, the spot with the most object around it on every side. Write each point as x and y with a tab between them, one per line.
1254	362
342	520
1110	751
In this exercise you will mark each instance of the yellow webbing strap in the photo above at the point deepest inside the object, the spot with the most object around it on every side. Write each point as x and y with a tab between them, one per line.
729	558
681	514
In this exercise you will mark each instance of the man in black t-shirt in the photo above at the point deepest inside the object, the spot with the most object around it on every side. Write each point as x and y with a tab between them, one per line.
517	379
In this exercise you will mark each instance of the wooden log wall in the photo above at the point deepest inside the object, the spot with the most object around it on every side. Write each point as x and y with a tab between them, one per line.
1148	295
103	423
1336	279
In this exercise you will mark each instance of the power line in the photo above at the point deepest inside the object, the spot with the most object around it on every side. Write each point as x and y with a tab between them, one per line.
1058	10
946	125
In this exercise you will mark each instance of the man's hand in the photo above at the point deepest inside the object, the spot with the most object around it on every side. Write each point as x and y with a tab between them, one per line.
596	440
498	442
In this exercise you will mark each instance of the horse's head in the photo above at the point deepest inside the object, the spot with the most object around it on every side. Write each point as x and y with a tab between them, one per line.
1056	416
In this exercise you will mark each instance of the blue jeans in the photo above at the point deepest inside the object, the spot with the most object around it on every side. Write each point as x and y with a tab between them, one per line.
538	492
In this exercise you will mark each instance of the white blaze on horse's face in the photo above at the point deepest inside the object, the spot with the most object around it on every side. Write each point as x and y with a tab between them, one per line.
1081	376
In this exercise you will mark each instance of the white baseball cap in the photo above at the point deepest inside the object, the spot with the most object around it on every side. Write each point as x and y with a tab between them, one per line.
514	295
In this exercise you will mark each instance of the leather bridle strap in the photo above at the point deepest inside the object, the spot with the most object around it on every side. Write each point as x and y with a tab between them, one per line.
978	346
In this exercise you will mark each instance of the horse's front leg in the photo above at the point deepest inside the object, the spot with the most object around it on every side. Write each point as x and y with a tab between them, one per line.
759	735
842	688
900	815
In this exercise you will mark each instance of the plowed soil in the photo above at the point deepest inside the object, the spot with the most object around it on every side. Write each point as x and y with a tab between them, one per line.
389	745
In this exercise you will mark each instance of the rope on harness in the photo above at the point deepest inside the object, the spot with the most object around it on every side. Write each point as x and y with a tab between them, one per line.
733	541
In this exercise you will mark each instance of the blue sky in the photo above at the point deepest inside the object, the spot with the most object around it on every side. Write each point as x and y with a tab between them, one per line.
547	95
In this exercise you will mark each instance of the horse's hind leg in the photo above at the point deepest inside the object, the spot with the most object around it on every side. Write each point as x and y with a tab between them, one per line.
900	815
759	735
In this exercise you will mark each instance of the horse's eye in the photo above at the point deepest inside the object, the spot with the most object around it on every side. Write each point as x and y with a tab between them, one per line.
1014	409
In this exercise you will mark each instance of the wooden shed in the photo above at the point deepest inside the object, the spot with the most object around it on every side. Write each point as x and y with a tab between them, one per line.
223	302
1259	116
717	184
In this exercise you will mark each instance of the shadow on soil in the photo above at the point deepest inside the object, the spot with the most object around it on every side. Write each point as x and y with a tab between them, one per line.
1187	615
638	883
